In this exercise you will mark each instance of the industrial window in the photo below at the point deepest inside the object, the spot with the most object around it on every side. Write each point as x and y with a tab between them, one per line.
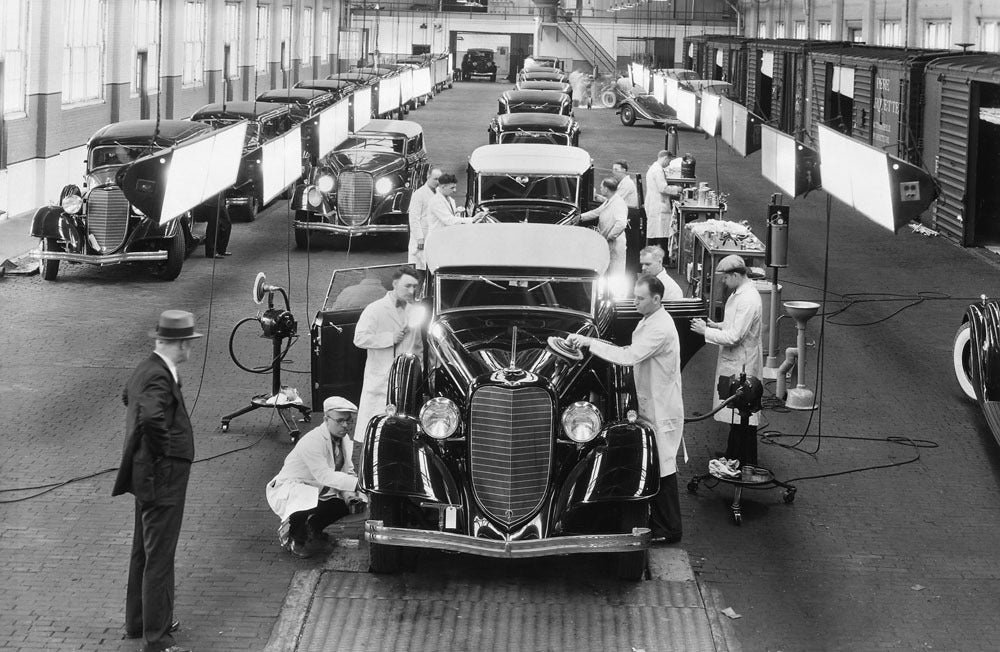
937	34
824	31
194	44
989	36
13	48
779	29
147	40
307	36
853	31
890	33
83	51
286	35
234	33
324	34
762	29
263	32
800	30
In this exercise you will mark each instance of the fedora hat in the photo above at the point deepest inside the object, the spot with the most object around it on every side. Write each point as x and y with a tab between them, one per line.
175	325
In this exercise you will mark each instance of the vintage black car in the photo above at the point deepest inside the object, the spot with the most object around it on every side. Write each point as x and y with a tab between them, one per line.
535	102
493	443
976	357
478	62
535	128
304	102
549	184
266	121
96	224
551	74
562	87
364	186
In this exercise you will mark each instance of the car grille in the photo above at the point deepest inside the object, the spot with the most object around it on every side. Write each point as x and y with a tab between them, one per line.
354	197
107	218
510	448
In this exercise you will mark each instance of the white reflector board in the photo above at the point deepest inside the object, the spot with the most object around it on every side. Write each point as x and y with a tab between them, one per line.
671	92
334	125
710	114
406	86
659	88
422	84
202	169
280	163
857	175
777	159
687	107
388	95
362	108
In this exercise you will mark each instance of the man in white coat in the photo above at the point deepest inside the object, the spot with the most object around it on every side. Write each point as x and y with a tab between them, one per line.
317	483
612	218
626	187
651	263
655	356
738	339
387	328
419	214
657	201
441	211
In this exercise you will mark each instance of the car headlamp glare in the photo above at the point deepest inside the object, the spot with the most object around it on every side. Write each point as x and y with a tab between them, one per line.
439	418
383	186
72	204
581	422
325	183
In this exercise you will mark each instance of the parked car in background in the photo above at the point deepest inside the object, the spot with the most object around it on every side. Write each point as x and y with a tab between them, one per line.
339	88
550	74
562	87
549	184
542	62
364	186
544	128
95	223
535	102
304	102
266	121
478	63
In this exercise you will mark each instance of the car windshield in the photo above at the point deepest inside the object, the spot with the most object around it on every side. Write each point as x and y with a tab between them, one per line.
564	293
108	155
523	186
534	107
374	143
519	136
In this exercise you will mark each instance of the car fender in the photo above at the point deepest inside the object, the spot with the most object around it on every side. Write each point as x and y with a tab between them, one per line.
984	322
45	222
399	461
623	465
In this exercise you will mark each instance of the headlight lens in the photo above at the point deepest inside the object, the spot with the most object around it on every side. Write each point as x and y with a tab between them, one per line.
314	197
72	204
439	418
383	186
325	183
581	422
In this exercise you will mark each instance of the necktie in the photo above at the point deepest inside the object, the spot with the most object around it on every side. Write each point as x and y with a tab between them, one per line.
338	455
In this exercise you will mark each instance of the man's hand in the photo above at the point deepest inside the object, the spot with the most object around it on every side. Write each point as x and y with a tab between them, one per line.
401	334
699	326
576	340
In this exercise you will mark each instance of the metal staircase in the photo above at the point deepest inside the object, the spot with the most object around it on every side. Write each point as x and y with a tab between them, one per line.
586	44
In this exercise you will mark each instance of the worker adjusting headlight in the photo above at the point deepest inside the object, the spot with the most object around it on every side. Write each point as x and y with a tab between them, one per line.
383	186
581	422
326	183
439	418
72	204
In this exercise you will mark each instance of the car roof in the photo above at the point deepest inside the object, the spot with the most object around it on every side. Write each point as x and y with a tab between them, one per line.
290	95
537	96
247	110
530	158
554	246
407	128
535	119
325	84
471	50
141	131
543	85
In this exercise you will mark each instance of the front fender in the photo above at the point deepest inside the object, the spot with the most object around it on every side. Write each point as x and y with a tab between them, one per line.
984	325
45	222
399	461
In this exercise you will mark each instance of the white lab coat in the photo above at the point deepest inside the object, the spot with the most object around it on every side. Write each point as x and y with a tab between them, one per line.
671	290
655	358
738	340
612	218
419	206
308	469
376	332
628	192
658	217
441	212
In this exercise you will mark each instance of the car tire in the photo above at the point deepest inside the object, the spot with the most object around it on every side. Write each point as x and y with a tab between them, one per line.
176	250
632	565
404	385
962	360
247	212
385	559
493	78
50	268
609	99
627	114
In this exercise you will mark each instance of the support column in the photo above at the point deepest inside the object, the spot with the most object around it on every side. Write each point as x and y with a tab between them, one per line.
837	20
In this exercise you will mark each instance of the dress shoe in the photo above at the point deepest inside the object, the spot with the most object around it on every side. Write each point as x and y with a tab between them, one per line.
225	253
218	256
176	648
174	626
300	550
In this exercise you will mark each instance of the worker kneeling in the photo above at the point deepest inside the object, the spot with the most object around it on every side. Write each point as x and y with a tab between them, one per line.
317	484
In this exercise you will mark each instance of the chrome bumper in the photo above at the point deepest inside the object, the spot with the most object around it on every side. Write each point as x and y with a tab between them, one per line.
361	229
109	259
639	539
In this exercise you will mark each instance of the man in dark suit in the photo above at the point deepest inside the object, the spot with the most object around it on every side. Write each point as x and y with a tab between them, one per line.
156	464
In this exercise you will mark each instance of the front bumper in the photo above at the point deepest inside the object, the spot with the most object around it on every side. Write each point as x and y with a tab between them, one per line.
108	259
361	229
638	539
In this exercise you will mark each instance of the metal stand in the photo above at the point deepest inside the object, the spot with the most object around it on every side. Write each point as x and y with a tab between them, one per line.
771	363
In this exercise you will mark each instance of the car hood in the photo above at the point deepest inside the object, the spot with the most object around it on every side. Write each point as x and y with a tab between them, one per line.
469	346
368	160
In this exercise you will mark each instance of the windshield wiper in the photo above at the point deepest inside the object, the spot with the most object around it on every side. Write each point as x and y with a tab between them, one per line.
540	285
493	283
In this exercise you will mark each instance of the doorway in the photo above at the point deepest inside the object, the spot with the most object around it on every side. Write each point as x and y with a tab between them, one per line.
983	162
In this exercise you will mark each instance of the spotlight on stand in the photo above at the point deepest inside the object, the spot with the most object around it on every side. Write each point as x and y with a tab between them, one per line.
801	397
276	324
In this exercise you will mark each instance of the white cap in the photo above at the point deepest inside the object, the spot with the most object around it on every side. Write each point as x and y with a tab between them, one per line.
338	404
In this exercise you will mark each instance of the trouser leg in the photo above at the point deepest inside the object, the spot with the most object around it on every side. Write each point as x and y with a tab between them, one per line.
133	593
161	527
323	514
665	510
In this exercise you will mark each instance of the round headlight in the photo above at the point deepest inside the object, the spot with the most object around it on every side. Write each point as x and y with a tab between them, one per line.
72	204
325	183
581	422
439	418
314	197
383	186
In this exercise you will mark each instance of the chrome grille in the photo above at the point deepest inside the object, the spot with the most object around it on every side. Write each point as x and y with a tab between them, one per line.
107	218
510	446
354	197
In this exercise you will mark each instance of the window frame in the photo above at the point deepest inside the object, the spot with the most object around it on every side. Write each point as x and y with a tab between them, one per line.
15	59
193	73
261	55
79	49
